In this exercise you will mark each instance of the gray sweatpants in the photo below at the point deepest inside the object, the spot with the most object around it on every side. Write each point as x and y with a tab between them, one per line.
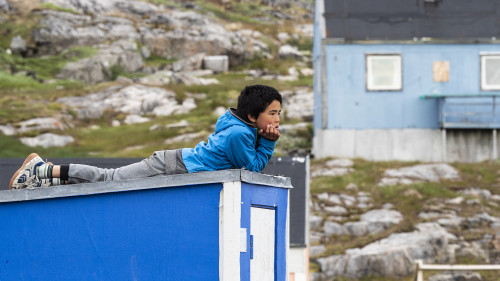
167	162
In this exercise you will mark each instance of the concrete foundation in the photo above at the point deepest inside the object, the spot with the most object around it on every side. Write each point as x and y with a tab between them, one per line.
298	264
408	145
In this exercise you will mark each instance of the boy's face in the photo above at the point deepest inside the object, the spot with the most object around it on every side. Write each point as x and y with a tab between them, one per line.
271	115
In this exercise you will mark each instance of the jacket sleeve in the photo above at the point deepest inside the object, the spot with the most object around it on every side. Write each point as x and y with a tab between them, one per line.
241	150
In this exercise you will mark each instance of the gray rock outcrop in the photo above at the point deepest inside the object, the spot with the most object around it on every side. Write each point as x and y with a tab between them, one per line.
373	222
419	173
336	167
18	45
456	276
133	99
122	54
47	140
287	51
393	256
171	34
6	7
299	104
60	31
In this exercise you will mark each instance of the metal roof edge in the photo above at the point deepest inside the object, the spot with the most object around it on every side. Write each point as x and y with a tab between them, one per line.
264	179
143	183
415	41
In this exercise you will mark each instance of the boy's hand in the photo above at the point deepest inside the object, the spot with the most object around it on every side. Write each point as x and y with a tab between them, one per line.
270	133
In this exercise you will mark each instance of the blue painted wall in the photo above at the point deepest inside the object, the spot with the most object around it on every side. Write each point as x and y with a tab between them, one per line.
272	198
153	234
351	106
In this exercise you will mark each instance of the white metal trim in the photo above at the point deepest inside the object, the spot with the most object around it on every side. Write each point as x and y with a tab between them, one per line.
229	231
420	267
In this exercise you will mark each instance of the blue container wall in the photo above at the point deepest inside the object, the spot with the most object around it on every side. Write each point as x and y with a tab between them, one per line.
154	234
351	106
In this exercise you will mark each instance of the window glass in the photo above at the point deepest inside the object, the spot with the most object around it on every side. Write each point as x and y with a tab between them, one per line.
490	72
383	73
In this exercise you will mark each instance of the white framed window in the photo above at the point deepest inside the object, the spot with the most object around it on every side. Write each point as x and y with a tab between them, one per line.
383	72
490	72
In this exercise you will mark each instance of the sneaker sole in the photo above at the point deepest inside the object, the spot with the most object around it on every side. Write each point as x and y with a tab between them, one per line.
16	174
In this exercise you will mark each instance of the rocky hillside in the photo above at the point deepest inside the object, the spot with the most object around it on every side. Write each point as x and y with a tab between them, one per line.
372	221
75	76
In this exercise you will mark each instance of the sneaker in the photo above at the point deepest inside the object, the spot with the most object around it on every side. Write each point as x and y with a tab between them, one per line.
25	177
39	183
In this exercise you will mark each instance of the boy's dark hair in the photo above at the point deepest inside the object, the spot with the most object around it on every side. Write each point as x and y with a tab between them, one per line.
255	99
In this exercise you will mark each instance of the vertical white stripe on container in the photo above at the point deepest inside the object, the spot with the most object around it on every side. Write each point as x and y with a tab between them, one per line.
229	231
287	235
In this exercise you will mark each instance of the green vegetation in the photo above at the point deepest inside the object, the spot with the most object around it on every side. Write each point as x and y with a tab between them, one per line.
16	27
158	61
46	67
51	6
127	140
240	12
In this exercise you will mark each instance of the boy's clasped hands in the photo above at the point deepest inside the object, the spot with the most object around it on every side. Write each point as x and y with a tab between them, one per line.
271	133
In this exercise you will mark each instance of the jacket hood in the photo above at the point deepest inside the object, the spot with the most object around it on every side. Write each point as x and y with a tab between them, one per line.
230	118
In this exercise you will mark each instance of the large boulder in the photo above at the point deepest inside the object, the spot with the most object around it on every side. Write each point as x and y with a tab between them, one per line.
287	51
299	103
171	34
18	45
6	7
373	222
60	31
122	53
133	99
393	256
47	140
184	34
419	173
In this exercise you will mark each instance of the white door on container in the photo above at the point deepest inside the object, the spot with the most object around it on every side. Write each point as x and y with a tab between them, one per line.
262	222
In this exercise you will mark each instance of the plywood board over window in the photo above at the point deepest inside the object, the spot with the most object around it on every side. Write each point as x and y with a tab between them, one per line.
441	71
383	72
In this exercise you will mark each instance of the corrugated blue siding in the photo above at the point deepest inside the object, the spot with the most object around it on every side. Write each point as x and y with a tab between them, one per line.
155	234
351	106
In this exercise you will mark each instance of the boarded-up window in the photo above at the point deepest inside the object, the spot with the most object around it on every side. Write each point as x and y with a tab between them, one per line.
490	72
383	72
441	71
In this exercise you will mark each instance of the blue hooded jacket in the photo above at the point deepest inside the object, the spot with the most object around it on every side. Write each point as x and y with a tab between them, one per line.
233	145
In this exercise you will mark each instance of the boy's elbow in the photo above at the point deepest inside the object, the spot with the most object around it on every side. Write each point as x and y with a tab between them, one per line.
256	168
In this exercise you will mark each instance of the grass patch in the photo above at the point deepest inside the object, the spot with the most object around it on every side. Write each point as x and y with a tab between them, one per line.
366	174
158	61
49	66
302	43
241	12
17	26
54	7
482	175
168	3
20	82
